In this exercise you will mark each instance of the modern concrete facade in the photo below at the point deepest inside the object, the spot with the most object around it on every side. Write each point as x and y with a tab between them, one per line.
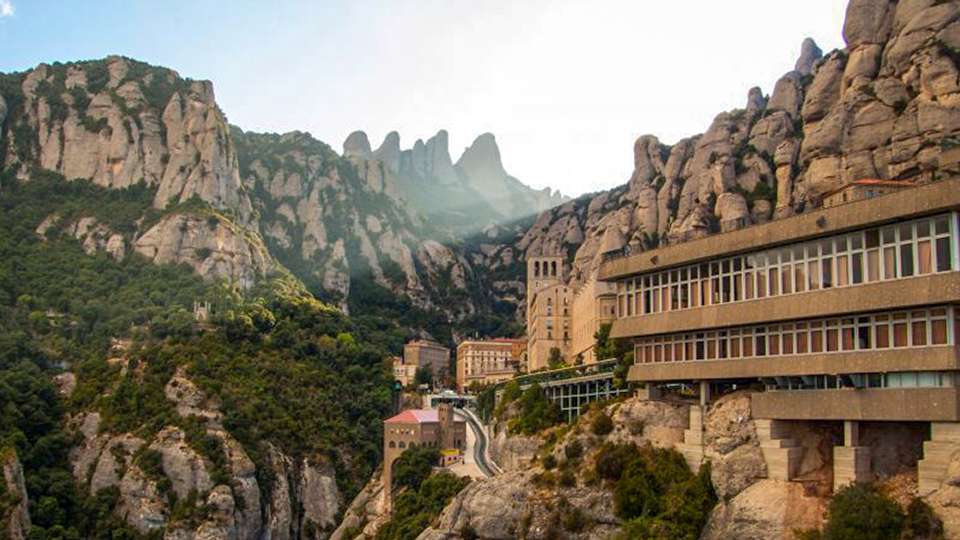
548	310
427	354
850	314
594	304
434	428
488	361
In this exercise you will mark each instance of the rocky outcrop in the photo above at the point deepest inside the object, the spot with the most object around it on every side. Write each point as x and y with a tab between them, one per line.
366	513
143	125
768	509
213	247
512	452
16	519
882	108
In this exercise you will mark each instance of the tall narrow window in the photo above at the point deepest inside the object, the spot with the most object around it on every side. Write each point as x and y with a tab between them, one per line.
800	276
906	260
873	265
900	334
924	264
889	263
826	268
919	331
856	268
813	273
944	259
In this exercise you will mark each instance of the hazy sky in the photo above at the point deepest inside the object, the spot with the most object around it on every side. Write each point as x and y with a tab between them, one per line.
565	85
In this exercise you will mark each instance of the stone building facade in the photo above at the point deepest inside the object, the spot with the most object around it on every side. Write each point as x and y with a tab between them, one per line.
488	361
424	353
548	310
594	304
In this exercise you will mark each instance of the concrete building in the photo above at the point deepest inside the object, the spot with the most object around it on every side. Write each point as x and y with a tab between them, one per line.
427	354
847	315
594	304
488	361
548	310
435	428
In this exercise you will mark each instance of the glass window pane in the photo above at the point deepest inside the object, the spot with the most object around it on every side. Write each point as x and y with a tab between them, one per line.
924	265
938	332
816	341
856	268
923	228
873	265
833	340
906	232
800	277
786	278
813	273
900	335
889	263
802	342
873	238
847	339
774	282
944	259
843	269
919	333
826	268
906	260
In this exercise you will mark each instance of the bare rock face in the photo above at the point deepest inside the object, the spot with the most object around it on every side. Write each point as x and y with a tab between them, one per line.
141	503
116	457
493	508
318	494
3	111
212	247
181	464
809	53
368	511
868	21
768	509
17	518
356	145
732	446
280	521
117	138
513	452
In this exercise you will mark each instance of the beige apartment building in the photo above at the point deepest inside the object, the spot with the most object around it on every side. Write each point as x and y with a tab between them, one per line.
488	361
595	304
847	316
548	310
425	353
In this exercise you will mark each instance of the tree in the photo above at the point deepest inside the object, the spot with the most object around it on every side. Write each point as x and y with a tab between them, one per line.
423	375
860	512
556	359
414	466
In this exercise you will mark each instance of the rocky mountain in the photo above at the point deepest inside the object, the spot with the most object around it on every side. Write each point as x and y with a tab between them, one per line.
237	205
464	197
886	106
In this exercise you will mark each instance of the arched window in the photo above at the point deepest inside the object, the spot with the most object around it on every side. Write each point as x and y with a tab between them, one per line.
413	445
553	269
403	444
536	269
393	444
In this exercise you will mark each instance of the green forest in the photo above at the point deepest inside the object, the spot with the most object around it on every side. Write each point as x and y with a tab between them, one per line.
285	367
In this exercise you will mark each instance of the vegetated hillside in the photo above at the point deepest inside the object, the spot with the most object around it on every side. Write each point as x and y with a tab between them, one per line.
340	223
262	422
886	106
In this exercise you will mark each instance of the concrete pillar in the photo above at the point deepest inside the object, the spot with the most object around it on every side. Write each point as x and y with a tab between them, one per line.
704	393
851	462
780	451
938	452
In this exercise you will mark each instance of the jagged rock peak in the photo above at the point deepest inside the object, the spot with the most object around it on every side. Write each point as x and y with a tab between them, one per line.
484	152
389	151
868	22
357	145
809	53
755	100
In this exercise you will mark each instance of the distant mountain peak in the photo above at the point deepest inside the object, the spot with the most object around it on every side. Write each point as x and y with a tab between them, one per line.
357	145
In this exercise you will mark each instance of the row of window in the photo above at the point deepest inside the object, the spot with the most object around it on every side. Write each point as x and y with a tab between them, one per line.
900	329
913	248
901	379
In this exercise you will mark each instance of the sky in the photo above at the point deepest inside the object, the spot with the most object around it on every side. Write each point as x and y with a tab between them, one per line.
566	86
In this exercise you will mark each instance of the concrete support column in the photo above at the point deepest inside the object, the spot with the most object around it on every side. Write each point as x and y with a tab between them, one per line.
780	451
938	452
704	394
851	462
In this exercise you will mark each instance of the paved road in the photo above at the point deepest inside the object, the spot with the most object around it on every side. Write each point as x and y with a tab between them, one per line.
480	447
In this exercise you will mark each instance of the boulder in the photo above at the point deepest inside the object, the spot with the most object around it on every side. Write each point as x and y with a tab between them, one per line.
768	509
787	94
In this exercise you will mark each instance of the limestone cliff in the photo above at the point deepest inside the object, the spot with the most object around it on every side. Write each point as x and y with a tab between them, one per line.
119	122
14	505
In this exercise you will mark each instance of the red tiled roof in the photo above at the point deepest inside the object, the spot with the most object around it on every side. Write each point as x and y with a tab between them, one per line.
882	182
415	416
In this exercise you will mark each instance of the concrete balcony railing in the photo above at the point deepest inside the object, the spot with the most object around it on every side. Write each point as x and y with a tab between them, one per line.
874	404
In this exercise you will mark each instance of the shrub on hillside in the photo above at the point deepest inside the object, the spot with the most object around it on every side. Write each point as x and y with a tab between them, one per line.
859	512
601	424
414	466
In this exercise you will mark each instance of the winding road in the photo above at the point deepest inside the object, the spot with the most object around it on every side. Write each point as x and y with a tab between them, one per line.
481	447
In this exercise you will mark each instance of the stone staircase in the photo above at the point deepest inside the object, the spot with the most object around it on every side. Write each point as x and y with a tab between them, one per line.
938	452
779	451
